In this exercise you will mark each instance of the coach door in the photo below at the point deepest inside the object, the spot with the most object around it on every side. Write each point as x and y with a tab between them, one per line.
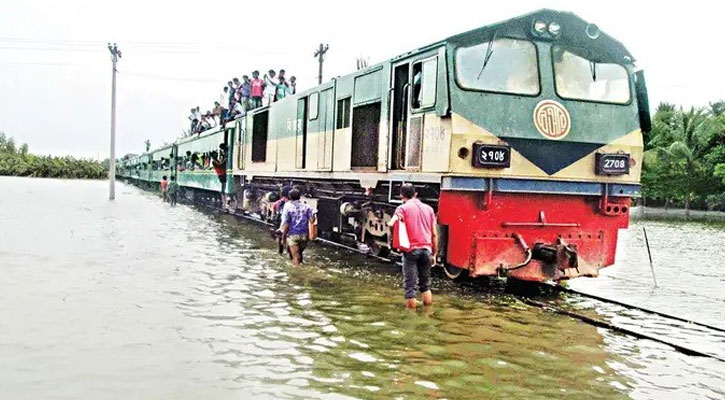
414	95
399	115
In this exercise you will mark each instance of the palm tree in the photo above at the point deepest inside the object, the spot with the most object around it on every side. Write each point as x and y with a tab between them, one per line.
681	142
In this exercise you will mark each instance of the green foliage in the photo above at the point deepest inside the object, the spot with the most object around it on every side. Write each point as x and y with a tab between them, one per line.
19	162
684	162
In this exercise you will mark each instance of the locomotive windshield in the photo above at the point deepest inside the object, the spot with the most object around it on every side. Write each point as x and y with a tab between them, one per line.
580	78
503	65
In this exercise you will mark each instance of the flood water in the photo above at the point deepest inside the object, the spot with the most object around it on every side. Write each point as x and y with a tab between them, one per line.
136	299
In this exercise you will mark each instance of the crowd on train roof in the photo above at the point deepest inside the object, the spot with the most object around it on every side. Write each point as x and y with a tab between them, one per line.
240	96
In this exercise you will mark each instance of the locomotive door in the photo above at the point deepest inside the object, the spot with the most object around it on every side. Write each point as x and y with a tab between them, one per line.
399	117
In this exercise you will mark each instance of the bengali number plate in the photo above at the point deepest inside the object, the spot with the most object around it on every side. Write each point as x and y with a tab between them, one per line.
612	164
491	156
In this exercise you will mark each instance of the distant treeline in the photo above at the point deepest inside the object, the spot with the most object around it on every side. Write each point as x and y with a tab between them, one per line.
17	161
684	159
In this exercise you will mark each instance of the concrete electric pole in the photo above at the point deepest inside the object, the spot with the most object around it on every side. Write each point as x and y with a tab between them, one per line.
115	55
320	54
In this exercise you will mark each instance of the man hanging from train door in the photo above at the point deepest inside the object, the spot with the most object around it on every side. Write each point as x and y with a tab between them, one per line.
419	221
219	162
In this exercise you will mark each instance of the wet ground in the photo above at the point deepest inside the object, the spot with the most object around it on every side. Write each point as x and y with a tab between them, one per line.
136	299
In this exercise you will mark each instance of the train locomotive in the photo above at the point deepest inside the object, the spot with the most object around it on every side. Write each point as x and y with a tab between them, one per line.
525	136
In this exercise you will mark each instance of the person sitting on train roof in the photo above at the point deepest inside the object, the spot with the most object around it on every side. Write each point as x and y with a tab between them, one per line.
297	218
237	111
219	112
270	87
257	92
208	121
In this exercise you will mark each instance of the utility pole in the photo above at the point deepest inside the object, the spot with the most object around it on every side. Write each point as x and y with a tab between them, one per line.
320	54
115	55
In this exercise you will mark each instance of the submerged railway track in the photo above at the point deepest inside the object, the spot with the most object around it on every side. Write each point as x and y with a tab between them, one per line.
685	325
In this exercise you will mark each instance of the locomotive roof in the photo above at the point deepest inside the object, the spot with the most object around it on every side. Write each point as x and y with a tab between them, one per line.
573	33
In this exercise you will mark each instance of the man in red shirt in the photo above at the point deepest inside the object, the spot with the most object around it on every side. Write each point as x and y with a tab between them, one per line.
419	257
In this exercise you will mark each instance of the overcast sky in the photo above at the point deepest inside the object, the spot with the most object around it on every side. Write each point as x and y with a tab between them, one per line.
55	73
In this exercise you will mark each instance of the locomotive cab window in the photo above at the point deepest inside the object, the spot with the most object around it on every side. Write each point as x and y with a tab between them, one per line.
502	65
424	84
581	77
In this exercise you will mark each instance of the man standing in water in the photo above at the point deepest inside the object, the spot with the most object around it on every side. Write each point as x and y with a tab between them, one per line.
419	257
296	219
164	185
173	190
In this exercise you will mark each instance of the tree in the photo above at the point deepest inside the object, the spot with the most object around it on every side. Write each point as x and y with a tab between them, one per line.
19	162
717	108
679	163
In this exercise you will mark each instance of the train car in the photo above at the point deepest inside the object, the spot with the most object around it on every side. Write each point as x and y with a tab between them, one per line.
524	135
193	159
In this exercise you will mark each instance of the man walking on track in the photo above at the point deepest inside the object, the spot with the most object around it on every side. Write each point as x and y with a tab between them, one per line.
419	256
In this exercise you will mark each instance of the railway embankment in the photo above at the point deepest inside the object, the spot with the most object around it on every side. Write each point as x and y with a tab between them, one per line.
675	214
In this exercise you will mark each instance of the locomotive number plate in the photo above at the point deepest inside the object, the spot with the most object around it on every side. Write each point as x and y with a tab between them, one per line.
491	156
612	164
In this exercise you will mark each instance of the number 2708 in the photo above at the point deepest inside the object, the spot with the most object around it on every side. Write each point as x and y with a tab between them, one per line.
615	163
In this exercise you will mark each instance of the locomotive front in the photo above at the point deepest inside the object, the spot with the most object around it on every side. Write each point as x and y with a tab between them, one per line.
547	114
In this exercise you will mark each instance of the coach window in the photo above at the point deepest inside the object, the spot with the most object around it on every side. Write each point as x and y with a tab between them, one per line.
343	113
424	84
314	100
502	65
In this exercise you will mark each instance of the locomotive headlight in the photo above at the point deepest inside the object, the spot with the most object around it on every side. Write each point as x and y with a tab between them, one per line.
540	27
554	28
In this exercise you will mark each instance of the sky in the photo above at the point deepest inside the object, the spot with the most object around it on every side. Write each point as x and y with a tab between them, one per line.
55	69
